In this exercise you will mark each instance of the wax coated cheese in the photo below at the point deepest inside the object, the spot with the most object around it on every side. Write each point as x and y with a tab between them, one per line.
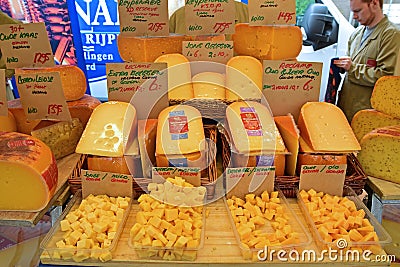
147	135
8	123
325	128
73	80
209	85
366	120
179	76
29	172
379	155
243	78
110	130
385	96
267	42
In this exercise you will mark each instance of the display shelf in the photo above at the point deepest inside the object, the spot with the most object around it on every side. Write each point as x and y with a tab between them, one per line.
66	167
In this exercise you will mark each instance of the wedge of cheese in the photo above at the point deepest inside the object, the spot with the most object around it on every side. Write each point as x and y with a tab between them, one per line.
209	85
325	128
267	42
366	120
73	79
29	173
147	136
8	123
385	96
243	78
110	130
179	76
379	155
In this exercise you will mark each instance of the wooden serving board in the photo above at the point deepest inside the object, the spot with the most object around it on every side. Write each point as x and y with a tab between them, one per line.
66	166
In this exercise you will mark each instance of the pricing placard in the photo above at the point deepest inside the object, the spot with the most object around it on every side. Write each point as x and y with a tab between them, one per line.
143	17
42	97
26	45
3	94
267	12
213	51
209	17
287	85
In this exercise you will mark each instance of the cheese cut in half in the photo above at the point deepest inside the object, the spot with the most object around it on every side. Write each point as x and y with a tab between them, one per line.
385	96
325	128
267	42
209	85
8	123
147	135
366	120
290	134
29	173
379	155
73	79
244	76
110	130
179	76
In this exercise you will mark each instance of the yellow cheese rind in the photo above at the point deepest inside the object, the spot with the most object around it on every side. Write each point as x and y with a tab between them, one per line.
147	136
8	123
385	96
209	85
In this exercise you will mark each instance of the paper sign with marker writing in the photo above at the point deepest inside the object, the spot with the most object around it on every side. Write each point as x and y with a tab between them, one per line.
26	45
190	174
272	12
209	17
3	94
287	85
323	178
219	52
143	18
42	97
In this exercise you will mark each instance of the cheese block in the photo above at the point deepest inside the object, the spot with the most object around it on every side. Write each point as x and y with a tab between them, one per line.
81	109
379	155
367	120
73	79
147	135
244	76
290	134
267	42
209	85
147	49
179	76
110	130
29	173
8	123
325	128
62	137
319	159
385	96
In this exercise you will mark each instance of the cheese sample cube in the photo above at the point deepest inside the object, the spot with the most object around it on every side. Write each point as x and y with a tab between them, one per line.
179	76
147	135
244	76
366	120
325	128
379	155
267	42
8	123
209	85
29	173
109	131
385	96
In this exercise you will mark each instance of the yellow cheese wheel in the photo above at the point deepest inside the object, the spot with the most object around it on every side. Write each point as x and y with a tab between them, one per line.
8	123
209	85
385	96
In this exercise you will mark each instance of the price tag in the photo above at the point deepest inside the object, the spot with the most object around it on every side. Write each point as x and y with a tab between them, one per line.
3	94
287	85
26	45
42	97
190	174
267	12
209	17
143	18
213	51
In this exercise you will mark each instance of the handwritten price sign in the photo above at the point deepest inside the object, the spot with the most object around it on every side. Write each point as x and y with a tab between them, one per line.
272	12
219	52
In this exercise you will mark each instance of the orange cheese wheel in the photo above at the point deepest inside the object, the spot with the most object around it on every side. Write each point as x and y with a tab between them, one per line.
29	173
8	123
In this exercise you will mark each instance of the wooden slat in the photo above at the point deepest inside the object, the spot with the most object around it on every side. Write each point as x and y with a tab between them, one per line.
384	189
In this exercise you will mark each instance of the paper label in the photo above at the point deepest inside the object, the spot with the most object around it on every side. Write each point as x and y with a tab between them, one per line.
190	174
270	12
250	121
178	125
3	94
214	51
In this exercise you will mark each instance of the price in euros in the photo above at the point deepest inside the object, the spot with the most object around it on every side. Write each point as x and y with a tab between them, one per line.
307	86
41	58
194	54
217	54
285	16
155	27
221	26
54	109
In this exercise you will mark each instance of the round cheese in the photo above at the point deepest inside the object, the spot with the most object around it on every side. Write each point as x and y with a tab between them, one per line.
8	123
209	85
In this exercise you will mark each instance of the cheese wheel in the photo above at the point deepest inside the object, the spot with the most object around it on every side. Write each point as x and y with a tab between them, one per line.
379	155
8	123
244	76
108	164
209	85
73	79
147	136
29	173
385	96
366	120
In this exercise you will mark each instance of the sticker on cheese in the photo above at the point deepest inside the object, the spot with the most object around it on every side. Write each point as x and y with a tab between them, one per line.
244	76
385	96
379	155
109	131
73	79
29	173
209	85
325	128
179	76
8	123
267	42
366	120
